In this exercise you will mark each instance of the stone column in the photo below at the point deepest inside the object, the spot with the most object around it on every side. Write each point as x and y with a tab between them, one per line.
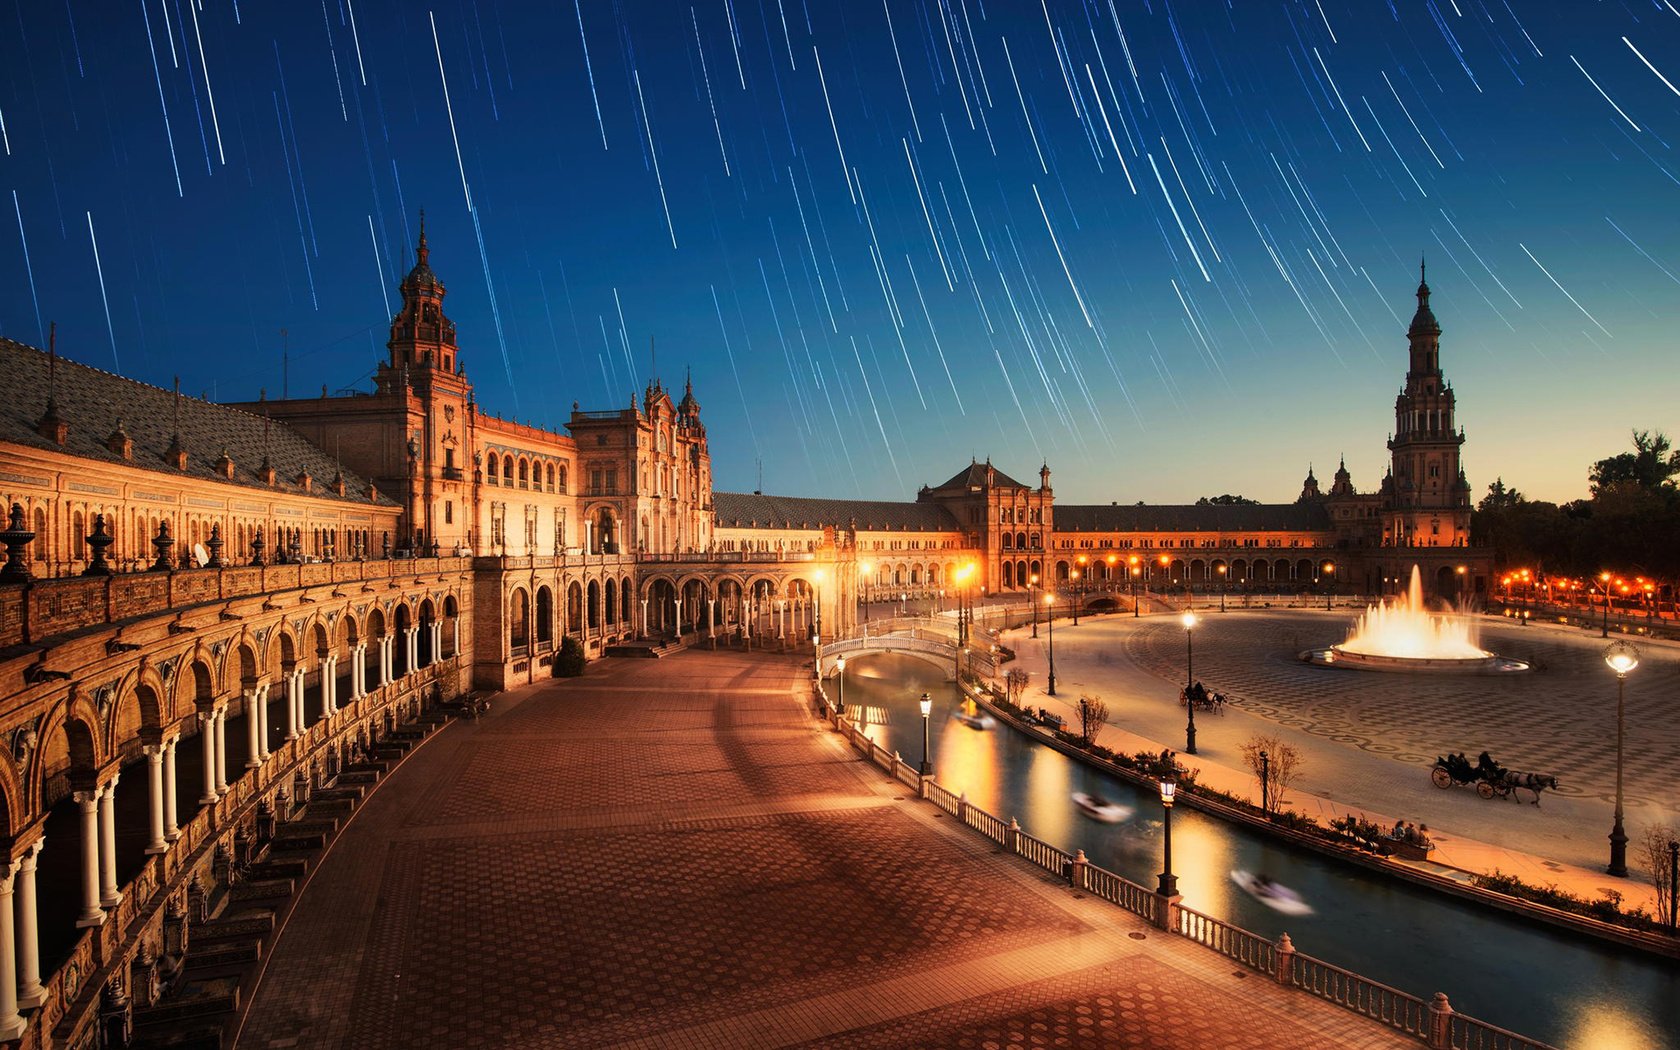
361	671
207	738
413	650
385	655
171	825
11	1024
262	722
109	895
302	712
154	797
31	993
220	722
254	728
294	684
329	684
437	640
643	632
92	914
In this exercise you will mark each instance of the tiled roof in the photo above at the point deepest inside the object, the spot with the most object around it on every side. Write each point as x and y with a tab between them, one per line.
1265	517
743	509
92	402
975	474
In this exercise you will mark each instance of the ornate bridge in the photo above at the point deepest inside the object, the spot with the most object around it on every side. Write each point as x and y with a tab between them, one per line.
930	644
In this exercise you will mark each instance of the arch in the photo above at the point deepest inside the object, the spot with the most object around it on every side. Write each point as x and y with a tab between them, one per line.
1304	570
71	734
524	472
625	591
494	476
519	621
452	615
323	643
1062	572
507	469
594	605
376	623
287	650
1280	570
1008	540
606	531
1239	570
574	608
348	632
1199	570
545	616
661	597
1009	575
242	667
428	615
200	680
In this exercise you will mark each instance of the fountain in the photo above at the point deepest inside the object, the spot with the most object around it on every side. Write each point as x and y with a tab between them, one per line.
1403	635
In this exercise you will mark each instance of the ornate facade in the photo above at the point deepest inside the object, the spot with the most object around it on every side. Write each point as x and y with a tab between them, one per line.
212	603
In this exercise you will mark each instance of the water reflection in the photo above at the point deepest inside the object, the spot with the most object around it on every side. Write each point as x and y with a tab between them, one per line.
1546	985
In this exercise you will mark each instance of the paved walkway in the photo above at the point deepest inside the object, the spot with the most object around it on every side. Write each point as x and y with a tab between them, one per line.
674	854
1368	740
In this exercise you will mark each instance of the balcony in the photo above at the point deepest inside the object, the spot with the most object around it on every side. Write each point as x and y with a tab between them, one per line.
452	473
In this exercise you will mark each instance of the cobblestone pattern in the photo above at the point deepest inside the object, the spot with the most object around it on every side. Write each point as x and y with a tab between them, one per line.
1139	1006
1558	719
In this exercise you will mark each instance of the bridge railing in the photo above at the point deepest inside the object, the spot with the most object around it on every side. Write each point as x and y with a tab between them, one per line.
1433	1023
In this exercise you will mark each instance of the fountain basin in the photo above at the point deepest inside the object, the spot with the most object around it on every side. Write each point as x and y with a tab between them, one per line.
1336	656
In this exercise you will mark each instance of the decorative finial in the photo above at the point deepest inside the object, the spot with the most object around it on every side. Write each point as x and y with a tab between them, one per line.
422	252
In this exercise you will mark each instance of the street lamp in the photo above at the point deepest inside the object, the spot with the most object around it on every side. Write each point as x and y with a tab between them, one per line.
1136	572
1189	622
1265	783
927	709
1329	570
1050	626
864	569
840	673
1073	586
1604	585
1221	568
1032	600
816	610
1622	658
1168	886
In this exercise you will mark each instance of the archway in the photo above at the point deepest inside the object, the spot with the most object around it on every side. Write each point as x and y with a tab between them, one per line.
519	621
428	617
545	618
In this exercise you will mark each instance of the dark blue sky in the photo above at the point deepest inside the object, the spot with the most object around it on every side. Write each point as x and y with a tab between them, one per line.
1170	248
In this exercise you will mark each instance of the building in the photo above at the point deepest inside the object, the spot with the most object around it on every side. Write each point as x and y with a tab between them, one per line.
210	603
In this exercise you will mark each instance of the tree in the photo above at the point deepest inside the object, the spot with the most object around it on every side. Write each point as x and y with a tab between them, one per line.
1093	712
1651	466
1501	498
1014	684
1653	850
1280	768
1227	500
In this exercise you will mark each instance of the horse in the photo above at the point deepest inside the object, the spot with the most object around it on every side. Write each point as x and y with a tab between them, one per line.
1534	782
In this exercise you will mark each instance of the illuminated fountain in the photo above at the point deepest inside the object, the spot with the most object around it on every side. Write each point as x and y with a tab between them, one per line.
1403	635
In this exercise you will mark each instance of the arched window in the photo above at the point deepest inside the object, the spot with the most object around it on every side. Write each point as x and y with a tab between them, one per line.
507	468
545	616
611	609
495	474
551	477
519	621
562	477
524	474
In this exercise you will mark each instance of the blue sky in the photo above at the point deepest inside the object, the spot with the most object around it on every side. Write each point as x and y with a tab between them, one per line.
1168	248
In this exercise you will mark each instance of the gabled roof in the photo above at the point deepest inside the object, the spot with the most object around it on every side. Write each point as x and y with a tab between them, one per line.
975	474
92	402
748	509
1265	517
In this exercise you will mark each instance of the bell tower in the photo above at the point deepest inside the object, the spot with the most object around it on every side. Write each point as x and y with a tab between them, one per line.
421	336
1427	507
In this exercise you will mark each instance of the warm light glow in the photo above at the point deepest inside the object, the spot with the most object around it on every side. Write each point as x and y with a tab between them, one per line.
1049	599
1622	657
1074	575
927	705
1329	566
1188	620
1033	579
1405	628
1168	790
1111	559
840	664
865	567
817	575
1221	569
1165	560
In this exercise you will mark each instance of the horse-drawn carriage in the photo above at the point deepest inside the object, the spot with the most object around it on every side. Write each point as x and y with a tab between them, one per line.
1202	698
1488	777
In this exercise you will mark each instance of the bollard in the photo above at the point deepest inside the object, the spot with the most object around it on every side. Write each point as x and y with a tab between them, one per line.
1440	1022
1284	957
1077	875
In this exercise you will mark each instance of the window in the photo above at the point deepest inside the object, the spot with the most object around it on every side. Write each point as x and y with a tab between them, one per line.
562	477
551	477
448	459
495	472
524	474
612	481
449	512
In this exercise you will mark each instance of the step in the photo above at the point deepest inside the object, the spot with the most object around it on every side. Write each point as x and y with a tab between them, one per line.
306	825
359	775
220	959
288	867
341	792
338	809
285	847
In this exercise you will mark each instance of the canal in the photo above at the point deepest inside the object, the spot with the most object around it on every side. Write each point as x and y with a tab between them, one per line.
1536	981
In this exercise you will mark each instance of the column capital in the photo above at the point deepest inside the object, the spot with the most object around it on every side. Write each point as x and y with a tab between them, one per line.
87	799
154	752
110	786
30	855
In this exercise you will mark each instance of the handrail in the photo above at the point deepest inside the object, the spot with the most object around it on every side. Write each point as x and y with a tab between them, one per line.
1233	942
1379	1002
1117	889
1046	856
1467	1033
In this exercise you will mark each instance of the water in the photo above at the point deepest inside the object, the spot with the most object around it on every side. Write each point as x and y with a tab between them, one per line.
1539	982
1405	628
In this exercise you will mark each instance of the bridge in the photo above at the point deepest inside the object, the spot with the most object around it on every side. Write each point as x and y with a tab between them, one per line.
930	640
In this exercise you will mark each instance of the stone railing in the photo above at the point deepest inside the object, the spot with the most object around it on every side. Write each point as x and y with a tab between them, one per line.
1433	1023
46	608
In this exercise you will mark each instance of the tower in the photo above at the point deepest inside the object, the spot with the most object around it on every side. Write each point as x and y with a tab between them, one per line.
421	336
1427	506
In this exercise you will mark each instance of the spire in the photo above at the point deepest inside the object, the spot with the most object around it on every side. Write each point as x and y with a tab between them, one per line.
1423	322
421	252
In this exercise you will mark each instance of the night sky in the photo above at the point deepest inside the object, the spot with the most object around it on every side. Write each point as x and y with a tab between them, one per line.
1169	247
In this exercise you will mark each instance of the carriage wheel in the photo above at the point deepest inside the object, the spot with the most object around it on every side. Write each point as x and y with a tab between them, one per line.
1484	789
1441	777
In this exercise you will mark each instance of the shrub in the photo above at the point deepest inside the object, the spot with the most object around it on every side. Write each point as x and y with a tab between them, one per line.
568	662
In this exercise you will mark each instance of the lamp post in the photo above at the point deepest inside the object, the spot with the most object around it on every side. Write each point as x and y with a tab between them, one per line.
1221	568
1189	621
1622	658
1136	572
1329	571
1050	627
1604	585
840	673
927	710
863	573
1073	586
1266	784
1168	885
1032	600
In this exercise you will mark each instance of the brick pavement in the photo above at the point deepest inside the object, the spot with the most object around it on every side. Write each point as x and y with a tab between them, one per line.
674	854
1368	739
